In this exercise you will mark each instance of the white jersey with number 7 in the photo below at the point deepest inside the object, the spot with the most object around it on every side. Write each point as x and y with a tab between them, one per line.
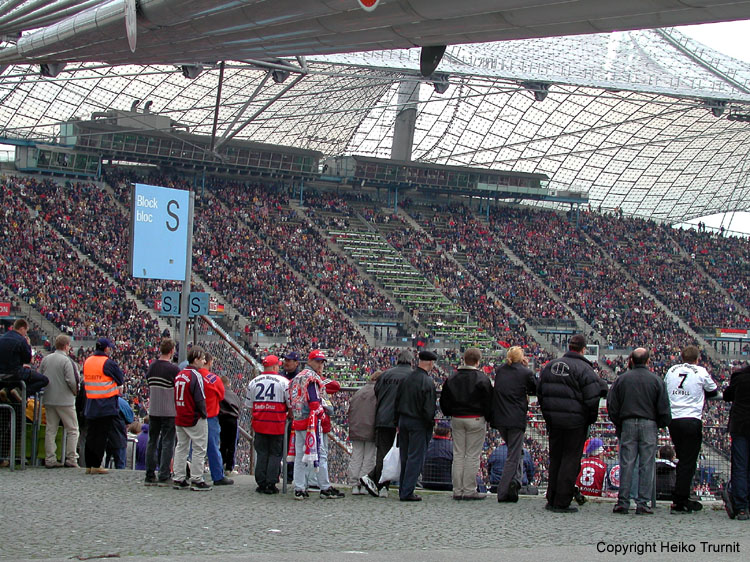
686	387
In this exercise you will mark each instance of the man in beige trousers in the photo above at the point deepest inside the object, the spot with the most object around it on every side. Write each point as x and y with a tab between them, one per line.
59	402
466	398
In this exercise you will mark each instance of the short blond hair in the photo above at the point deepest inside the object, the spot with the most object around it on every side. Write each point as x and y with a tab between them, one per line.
515	354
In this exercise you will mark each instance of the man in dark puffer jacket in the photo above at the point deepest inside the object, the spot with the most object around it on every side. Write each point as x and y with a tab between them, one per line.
568	392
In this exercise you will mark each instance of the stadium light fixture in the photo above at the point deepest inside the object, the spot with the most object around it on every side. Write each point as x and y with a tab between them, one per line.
429	59
717	107
539	89
279	76
191	71
51	69
441	83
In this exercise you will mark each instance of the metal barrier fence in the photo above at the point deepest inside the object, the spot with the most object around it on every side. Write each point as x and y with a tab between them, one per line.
13	426
712	472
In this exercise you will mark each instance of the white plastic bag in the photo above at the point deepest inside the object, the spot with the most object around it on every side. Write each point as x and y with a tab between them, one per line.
391	464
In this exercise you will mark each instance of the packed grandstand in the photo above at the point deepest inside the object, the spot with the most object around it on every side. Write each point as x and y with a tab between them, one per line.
299	276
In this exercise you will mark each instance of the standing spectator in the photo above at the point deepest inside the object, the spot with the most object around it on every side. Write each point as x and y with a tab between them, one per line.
229	413
290	368
568	392
637	405
590	481
190	422
738	393
60	403
161	413
268	400
415	415
306	394
102	378
688	385
117	438
214	390
386	390
362	408
514	381
466	398
15	358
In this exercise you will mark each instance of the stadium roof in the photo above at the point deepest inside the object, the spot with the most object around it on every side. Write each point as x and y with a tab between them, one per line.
638	119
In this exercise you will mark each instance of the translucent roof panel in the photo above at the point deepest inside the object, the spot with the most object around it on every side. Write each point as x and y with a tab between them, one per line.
639	120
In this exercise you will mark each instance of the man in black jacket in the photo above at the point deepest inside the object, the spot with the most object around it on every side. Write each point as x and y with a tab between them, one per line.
637	405
386	389
738	393
15	360
415	416
514	381
466	399
568	392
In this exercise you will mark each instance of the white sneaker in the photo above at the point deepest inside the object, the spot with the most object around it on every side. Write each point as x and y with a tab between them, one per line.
369	486
358	491
383	493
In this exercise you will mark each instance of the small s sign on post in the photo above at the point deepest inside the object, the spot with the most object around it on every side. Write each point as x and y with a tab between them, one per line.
368	5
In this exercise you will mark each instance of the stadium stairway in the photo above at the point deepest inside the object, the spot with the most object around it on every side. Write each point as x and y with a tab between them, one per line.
230	310
581	324
710	351
413	288
140	305
368	337
33	315
530	329
334	247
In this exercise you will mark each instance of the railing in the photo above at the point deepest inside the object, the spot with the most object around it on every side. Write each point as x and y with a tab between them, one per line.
712	472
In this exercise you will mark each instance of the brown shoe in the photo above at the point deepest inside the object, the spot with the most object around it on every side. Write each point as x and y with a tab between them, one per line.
14	394
3	395
71	464
88	470
97	470
53	464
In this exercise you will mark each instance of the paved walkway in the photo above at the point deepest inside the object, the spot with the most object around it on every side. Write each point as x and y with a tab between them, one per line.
64	514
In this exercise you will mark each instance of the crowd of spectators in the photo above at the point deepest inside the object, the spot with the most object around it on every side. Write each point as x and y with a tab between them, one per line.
650	254
725	258
576	270
300	245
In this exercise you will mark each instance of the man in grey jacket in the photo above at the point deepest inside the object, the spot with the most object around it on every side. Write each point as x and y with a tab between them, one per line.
59	402
386	390
362	407
638	405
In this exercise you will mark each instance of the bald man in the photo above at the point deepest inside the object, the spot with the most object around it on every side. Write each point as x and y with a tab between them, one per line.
638	404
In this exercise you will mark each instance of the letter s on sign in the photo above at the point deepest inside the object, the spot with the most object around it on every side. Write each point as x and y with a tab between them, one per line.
173	215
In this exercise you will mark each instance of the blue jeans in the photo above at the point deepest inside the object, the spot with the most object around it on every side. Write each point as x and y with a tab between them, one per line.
301	468
215	464
160	447
637	443
413	438
740	476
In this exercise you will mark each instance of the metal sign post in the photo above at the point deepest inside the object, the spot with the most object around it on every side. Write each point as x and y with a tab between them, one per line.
185	304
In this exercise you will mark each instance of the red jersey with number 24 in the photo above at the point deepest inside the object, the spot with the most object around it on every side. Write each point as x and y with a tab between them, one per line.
268	398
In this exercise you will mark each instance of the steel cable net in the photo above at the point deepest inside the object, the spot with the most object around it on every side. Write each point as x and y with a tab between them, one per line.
639	120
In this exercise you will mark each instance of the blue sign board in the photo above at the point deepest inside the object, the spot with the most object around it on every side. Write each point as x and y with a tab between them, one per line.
170	304
159	232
